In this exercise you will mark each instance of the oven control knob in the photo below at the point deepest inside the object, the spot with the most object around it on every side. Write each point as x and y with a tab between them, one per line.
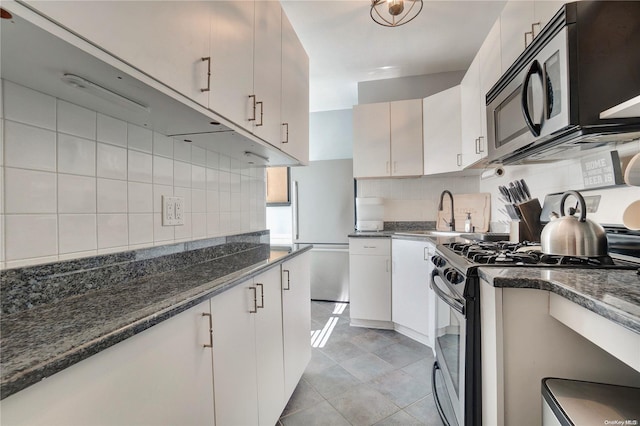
438	261
453	276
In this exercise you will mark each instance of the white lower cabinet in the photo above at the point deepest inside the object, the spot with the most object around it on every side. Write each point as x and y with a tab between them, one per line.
177	371
522	342
247	352
296	319
370	282
162	375
413	302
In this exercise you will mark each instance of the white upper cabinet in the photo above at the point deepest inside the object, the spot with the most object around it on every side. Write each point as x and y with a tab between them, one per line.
387	139
520	22
166	40
406	138
231	54
442	148
295	95
482	74
371	140
267	71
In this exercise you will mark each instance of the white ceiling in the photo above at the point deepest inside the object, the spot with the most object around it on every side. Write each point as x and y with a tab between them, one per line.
345	46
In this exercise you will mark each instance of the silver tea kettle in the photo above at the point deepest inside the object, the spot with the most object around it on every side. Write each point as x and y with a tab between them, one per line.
571	236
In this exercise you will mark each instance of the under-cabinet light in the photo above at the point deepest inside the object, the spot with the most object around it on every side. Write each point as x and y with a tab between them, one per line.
102	92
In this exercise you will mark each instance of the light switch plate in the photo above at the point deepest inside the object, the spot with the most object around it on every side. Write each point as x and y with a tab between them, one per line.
172	211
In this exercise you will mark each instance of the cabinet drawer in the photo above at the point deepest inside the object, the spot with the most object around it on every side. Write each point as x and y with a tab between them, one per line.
370	246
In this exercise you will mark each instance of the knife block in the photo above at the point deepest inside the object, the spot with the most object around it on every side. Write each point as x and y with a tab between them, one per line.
531	227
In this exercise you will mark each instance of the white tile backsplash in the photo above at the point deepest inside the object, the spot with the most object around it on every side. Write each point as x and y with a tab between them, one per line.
140	197
113	230
112	196
76	155
162	170
77	233
139	138
111	161
75	120
29	147
182	174
29	191
111	130
76	194
182	151
140	228
76	183
162	145
30	236
140	167
28	106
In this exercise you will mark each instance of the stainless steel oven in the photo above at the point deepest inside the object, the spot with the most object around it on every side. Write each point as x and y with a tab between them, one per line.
457	343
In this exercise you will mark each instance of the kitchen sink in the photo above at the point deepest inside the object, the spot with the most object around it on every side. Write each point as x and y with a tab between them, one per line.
486	236
432	233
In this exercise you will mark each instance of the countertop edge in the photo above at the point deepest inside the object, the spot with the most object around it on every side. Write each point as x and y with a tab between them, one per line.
26	378
598	307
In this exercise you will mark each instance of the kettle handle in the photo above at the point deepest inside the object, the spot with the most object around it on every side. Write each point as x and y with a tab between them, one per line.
583	204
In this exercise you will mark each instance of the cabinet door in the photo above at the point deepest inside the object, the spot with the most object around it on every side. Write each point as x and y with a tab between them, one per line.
234	356
296	319
167	40
295	94
515	20
370	287
410	286
442	132
269	347
470	114
371	140
406	138
543	11
232	25
267	71
162	375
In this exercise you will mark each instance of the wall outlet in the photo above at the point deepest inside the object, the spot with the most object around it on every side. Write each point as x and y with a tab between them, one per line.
172	211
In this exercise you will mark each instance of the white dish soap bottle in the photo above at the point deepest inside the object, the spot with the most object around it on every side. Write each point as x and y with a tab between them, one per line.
467	223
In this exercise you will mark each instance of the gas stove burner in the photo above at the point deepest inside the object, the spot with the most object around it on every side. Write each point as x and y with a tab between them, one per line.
553	259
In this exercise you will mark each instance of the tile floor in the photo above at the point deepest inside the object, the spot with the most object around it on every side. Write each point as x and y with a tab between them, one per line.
362	376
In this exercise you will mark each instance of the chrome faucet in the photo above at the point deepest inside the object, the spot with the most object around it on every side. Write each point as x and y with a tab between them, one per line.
452	223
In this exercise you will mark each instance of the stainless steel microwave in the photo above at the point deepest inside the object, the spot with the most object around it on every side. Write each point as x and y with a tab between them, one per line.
586	60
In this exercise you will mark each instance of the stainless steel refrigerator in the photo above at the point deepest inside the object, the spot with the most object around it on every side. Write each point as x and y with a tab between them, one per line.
323	215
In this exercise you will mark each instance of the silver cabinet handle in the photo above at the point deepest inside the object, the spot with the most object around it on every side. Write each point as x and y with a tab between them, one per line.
261	112
261	305
477	146
459	160
210	345
286	132
288	287
525	38
296	209
533	30
255	300
208	88
253	108
480	144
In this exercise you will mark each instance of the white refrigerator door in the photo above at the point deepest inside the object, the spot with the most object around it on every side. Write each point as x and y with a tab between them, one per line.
323	202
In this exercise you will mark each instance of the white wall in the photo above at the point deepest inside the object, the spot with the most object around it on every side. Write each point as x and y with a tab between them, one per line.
75	183
414	199
414	87
561	176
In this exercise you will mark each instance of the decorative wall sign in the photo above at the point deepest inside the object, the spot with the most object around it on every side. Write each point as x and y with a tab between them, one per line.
601	169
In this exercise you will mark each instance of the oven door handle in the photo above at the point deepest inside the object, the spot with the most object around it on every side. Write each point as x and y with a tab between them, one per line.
452	302
443	417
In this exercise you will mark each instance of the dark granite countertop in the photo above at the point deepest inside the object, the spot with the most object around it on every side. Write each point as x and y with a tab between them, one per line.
44	339
612	294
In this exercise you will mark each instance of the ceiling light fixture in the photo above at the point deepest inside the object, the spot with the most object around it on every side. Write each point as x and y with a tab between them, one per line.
393	13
